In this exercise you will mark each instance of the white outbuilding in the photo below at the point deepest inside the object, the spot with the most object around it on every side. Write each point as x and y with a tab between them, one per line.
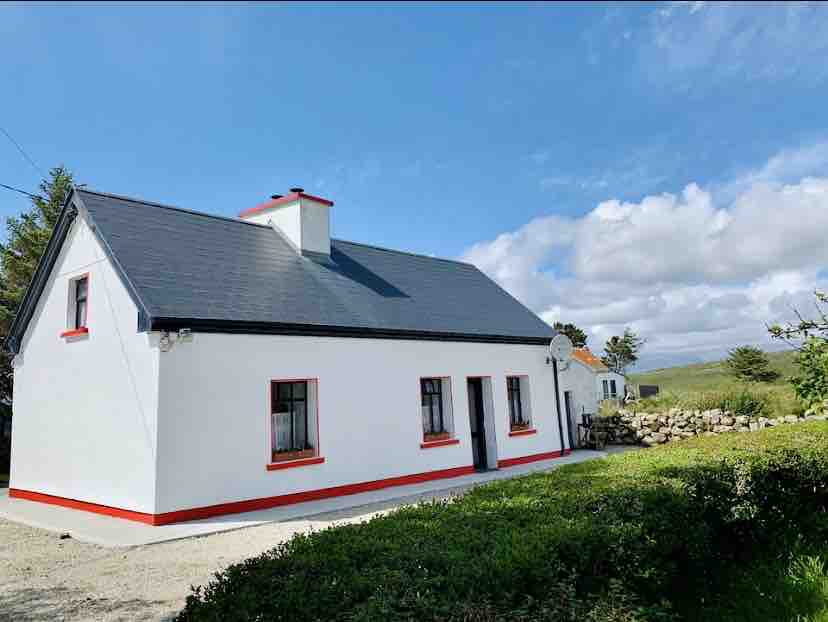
172	365
586	382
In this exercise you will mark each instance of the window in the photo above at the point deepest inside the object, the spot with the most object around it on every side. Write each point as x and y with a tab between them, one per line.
613	392
515	406
432	404
606	390
81	292
292	435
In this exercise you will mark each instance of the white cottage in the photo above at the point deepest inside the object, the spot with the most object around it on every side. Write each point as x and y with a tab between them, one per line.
171	365
586	383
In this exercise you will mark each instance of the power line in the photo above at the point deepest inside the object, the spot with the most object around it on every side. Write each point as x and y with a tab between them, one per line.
28	194
22	152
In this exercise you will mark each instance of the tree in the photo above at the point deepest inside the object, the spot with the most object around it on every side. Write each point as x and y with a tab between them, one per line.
26	238
751	364
810	337
575	334
621	352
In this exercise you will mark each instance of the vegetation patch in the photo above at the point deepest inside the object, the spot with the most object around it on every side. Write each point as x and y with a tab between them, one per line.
639	536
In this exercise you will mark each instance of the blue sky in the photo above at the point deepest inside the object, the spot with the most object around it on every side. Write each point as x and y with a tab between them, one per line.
441	129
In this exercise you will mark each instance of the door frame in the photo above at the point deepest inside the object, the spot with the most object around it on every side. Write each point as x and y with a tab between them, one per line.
489	427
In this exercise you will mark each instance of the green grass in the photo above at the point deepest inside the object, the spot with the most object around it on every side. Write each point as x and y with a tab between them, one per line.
712	376
640	536
703	385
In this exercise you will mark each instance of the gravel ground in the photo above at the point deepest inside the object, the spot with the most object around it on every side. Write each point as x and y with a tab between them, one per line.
45	578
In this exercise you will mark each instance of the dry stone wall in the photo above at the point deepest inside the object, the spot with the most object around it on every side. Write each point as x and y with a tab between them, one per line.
676	423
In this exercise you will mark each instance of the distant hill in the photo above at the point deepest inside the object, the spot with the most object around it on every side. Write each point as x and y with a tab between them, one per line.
709	376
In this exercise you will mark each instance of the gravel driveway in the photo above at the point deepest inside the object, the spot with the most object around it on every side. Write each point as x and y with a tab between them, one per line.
45	578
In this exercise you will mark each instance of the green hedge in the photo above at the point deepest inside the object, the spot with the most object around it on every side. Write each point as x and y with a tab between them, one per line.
638	536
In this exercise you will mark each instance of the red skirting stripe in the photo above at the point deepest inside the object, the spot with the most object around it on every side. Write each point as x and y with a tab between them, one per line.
74	504
310	495
533	458
242	506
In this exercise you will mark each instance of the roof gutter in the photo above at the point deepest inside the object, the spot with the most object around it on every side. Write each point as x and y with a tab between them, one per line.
317	330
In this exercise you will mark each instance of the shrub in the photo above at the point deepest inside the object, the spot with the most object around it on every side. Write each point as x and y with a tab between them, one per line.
602	540
811	384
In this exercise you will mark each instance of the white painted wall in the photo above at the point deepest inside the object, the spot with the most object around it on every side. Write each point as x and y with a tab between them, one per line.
580	379
85	408
214	409
610	375
316	227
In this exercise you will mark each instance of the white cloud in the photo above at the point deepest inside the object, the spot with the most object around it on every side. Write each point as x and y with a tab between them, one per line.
689	42
694	275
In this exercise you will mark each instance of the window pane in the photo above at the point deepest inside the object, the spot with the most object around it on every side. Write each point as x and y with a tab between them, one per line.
81	286
299	390
426	416
283	391
80	310
281	431
299	425
436	424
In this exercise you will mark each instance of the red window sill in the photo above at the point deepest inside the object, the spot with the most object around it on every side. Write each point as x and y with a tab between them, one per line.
523	432
430	444
75	332
289	464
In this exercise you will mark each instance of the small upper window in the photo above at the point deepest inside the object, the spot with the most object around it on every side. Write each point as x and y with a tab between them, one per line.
605	384
81	292
613	392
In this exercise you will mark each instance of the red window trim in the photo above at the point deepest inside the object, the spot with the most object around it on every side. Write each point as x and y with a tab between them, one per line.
81	330
526	432
277	465
430	444
511	432
420	408
289	464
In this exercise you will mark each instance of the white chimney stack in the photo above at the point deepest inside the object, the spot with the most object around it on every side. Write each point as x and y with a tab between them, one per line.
303	219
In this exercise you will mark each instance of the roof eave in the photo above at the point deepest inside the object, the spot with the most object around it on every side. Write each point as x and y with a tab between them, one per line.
202	325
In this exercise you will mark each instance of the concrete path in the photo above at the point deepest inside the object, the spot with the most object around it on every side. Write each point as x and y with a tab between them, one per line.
115	532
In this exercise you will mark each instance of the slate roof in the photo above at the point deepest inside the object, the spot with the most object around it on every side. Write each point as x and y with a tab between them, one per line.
205	272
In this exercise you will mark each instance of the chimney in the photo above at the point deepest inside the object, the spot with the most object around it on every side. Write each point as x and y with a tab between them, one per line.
303	219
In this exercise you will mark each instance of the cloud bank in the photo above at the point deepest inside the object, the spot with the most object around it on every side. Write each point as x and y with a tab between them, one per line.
696	272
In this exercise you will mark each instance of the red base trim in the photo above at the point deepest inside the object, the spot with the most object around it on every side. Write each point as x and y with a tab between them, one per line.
75	332
443	443
289	464
533	458
242	506
523	432
40	497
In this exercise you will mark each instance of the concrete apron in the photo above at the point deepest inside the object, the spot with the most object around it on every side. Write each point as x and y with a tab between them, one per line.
117	532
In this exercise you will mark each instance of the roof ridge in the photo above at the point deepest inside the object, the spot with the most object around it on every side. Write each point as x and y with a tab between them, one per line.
171	207
399	252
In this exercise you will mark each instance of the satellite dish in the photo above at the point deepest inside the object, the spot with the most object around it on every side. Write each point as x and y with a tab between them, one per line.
560	349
